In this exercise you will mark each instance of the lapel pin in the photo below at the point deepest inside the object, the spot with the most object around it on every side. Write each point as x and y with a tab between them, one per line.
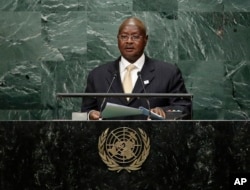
146	81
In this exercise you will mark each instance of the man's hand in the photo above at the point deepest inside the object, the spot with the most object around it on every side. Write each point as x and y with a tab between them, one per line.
94	115
159	111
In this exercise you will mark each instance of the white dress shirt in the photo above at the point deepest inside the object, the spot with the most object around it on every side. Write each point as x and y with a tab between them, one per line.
124	63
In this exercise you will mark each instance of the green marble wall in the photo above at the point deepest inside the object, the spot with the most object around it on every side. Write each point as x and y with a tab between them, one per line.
49	46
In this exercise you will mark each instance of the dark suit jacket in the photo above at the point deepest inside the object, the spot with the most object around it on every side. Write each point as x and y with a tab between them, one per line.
163	78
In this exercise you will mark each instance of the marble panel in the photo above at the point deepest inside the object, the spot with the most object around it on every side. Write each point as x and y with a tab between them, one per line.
237	5
65	32
109	5
21	86
55	6
237	74
20	5
163	36
156	5
102	37
213	36
199	36
206	85
236	35
201	6
20	36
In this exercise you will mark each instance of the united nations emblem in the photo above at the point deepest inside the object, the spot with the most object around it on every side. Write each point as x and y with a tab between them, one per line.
123	148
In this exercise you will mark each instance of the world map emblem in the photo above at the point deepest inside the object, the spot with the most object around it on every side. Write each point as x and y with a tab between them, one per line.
124	148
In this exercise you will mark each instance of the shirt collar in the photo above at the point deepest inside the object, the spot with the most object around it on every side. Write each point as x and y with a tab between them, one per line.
139	63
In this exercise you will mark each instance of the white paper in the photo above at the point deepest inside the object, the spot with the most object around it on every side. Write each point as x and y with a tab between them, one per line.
116	110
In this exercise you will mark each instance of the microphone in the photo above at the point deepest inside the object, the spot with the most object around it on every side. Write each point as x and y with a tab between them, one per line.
144	90
104	99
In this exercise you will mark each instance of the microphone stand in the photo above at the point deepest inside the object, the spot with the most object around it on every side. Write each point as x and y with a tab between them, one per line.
144	90
104	99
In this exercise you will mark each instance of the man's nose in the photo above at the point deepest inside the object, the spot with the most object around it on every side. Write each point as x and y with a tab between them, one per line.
130	40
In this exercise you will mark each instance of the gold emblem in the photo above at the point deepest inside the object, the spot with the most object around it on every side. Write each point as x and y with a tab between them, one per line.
123	148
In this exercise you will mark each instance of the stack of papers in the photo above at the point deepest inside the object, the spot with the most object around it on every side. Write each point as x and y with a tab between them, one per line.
116	110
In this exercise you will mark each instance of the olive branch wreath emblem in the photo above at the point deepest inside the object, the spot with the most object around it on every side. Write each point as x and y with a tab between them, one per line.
113	165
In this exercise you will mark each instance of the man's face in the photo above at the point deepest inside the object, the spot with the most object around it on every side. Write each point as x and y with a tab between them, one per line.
131	42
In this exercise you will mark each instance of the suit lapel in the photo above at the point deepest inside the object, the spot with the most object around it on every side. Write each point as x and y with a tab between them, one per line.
147	75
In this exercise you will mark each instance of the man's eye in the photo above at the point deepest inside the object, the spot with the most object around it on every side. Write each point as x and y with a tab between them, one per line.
127	37
135	37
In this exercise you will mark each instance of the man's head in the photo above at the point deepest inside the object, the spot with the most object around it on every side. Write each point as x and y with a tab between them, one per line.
132	39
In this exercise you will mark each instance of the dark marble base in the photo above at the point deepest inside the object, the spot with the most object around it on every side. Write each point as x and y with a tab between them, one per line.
64	155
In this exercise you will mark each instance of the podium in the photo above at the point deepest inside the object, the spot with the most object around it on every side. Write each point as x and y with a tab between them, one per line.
66	155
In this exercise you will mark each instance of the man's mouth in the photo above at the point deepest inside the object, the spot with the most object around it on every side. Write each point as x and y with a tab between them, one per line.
129	48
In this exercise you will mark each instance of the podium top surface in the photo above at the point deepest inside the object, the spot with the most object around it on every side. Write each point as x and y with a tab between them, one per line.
77	95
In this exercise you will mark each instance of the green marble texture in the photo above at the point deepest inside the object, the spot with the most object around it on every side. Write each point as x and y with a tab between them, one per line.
49	46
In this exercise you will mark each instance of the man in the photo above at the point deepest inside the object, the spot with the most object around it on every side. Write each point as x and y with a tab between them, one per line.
157	76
